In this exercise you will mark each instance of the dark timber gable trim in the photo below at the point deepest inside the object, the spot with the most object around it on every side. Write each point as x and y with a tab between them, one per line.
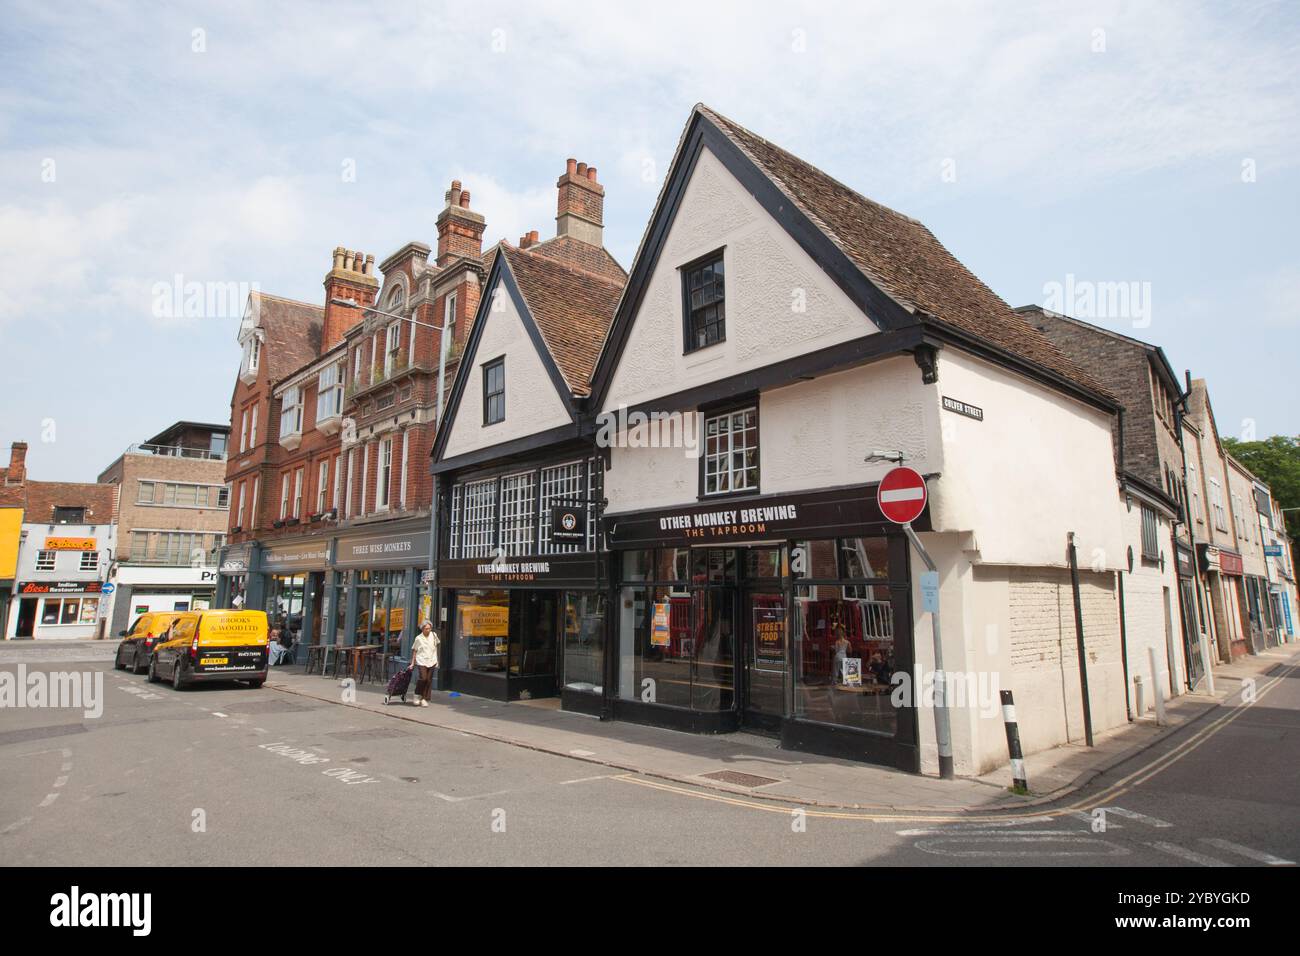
500	275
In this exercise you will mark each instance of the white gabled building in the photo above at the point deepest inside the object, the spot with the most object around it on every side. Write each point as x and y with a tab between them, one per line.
800	328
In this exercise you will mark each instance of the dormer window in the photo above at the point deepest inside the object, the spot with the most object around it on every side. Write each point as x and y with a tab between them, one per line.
252	357
494	392
69	515
291	417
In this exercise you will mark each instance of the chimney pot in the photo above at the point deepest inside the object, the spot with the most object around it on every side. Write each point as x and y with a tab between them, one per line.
582	170
532	237
464	199
591	173
571	167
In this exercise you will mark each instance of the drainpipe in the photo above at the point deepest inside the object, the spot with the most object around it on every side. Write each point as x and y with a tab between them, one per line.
1078	636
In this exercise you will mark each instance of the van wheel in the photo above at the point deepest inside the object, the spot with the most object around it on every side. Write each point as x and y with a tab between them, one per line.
153	670
178	683
136	666
255	684
117	661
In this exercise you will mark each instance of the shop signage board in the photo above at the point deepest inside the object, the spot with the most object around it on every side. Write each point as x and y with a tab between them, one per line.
902	495
59	587
547	570
568	524
839	512
69	544
384	550
1272	550
304	556
1225	562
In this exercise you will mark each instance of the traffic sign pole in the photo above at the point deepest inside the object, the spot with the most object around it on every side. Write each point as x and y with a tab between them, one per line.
942	725
902	497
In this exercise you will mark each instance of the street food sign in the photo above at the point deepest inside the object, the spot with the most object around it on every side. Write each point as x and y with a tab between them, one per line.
769	638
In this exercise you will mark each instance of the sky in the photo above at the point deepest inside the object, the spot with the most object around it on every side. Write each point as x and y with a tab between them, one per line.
1134	164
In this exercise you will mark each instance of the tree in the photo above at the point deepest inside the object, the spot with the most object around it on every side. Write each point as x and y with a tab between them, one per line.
1276	462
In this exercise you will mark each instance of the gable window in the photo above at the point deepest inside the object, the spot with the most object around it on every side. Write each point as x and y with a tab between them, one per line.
731	452
252	354
704	302
494	392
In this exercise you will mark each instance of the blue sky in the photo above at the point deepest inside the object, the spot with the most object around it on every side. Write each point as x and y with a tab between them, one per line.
1144	143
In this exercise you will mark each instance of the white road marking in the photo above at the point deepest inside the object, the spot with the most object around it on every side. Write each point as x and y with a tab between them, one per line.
217	713
1133	815
582	753
60	781
49	798
17	824
991	834
1093	846
477	796
1257	855
1174	849
603	776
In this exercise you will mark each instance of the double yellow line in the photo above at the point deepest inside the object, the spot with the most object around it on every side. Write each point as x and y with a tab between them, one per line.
1116	789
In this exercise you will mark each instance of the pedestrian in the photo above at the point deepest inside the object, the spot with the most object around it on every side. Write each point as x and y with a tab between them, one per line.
424	657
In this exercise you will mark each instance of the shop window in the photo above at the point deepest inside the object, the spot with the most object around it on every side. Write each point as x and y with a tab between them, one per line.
704	303
382	598
482	630
636	565
518	496
844	655
480	518
730	462
673	565
494	392
584	641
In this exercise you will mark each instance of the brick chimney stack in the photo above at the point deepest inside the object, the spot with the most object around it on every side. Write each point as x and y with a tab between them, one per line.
351	277
529	239
17	463
460	229
580	212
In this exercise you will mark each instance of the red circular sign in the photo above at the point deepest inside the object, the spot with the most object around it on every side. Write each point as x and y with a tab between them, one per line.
901	495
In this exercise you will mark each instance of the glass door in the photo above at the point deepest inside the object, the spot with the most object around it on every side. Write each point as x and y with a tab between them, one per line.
764	660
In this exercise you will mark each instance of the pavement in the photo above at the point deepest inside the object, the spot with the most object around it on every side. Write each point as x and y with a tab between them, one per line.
226	774
793	778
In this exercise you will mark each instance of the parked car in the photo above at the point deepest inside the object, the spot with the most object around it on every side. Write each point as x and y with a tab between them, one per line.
222	645
139	639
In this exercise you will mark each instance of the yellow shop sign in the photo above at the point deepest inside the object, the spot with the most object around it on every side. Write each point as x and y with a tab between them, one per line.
70	544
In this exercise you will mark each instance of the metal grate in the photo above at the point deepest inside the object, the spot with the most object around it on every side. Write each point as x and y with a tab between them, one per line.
739	779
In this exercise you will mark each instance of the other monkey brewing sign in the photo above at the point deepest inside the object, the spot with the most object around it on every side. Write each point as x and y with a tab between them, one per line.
730	522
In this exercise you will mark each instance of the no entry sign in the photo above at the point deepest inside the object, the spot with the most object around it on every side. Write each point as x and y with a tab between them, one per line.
901	495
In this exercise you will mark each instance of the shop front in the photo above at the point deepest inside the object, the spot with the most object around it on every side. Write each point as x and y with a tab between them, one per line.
1193	621
784	614
293	586
374	596
235	577
1225	571
526	627
61	610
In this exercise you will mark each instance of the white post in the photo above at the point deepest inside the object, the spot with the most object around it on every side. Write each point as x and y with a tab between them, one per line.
1205	662
1157	691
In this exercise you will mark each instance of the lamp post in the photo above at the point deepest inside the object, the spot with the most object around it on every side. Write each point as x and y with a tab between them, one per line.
442	378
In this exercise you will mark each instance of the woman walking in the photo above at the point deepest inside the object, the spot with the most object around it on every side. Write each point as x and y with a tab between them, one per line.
424	657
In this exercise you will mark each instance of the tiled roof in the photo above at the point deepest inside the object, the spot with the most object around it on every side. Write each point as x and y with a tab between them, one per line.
900	255
572	307
44	496
293	333
582	255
